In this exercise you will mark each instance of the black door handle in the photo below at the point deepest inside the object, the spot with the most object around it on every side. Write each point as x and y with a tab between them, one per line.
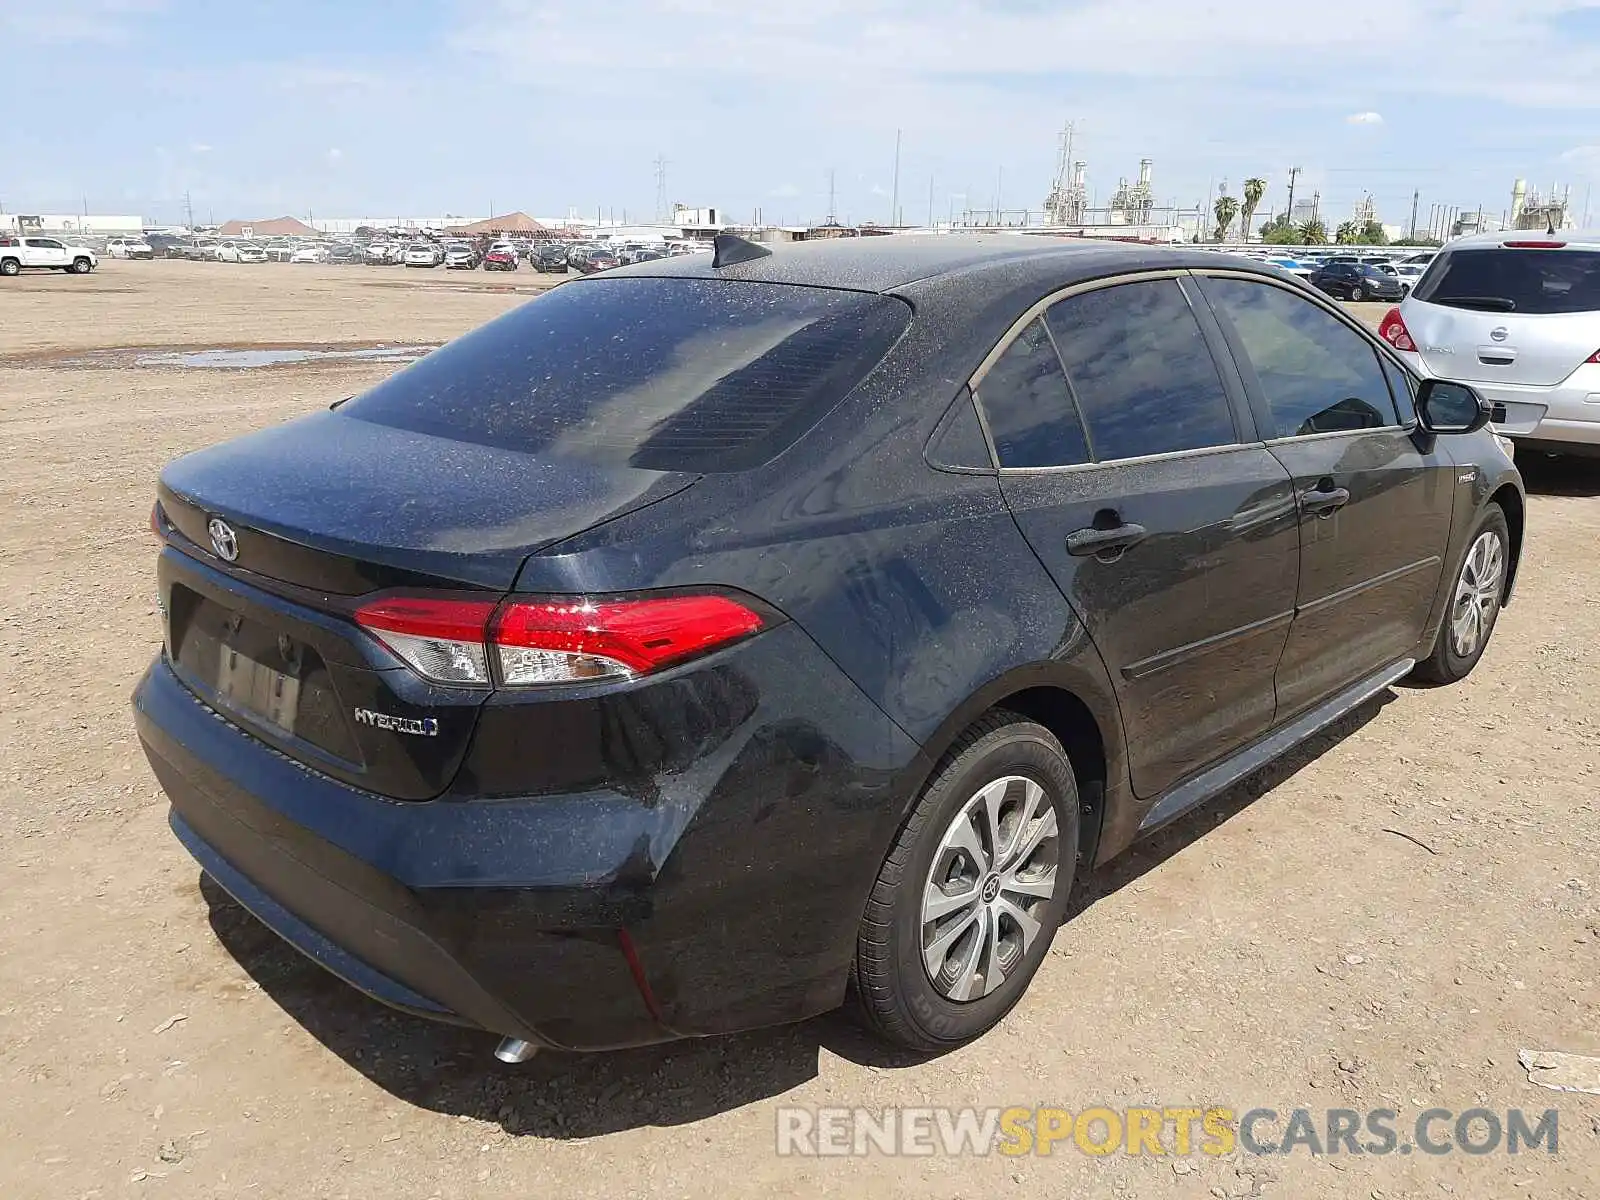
1324	500
1084	542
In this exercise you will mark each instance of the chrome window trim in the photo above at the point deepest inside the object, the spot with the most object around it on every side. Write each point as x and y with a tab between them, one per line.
1114	463
1038	308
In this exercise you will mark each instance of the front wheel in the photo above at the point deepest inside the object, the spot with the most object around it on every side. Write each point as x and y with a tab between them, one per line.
1357	292
82	266
1474	604
970	896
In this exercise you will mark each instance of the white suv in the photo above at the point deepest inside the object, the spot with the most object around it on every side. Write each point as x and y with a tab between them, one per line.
44	254
1517	315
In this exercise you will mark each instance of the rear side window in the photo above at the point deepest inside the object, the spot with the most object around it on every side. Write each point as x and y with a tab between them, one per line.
664	374
1318	375
1029	409
1533	282
1141	372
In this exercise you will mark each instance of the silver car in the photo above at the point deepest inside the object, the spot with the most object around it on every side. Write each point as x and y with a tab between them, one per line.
1517	315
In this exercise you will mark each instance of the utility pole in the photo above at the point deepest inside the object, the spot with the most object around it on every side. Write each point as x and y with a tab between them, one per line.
999	176
188	210
930	200
832	220
1416	196
894	200
661	189
1294	173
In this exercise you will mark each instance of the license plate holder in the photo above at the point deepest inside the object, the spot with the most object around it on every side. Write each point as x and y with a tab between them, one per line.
258	689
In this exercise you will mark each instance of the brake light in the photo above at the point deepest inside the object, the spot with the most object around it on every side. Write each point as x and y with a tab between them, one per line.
1593	358
541	640
1534	245
1392	329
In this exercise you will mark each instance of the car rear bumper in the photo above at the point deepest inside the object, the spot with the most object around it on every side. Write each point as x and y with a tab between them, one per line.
726	898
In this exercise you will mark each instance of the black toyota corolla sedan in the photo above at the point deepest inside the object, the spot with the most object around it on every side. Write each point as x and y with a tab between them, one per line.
713	639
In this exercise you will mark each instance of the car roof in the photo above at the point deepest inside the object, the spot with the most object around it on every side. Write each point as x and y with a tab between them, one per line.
888	263
1571	238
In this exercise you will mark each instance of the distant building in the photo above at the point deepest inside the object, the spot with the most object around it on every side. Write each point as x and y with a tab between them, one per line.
272	227
70	223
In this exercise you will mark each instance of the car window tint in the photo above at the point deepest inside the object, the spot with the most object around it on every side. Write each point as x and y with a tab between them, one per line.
1028	406
1403	388
1538	282
663	374
1140	370
1318	375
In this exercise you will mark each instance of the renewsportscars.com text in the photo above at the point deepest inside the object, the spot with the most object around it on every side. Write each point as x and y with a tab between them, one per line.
1169	1130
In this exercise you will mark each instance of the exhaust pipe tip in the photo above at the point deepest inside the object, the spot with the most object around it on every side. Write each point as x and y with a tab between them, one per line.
515	1050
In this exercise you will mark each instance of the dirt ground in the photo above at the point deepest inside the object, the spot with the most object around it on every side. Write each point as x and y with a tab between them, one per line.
1288	946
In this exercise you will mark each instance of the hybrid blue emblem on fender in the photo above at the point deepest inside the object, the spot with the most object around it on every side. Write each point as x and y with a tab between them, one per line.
416	726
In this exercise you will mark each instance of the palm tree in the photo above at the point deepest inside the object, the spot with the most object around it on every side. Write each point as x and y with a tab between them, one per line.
1226	208
1348	233
1254	189
1314	233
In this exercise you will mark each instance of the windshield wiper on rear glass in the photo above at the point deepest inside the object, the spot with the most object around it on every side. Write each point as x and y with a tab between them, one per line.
1487	303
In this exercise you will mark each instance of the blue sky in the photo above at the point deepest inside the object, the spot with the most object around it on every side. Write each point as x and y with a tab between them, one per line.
409	108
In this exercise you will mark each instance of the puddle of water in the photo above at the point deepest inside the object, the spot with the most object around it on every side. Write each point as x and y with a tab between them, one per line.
239	358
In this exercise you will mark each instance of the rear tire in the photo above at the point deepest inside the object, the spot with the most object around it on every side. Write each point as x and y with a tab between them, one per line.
10	266
1476	593
977	882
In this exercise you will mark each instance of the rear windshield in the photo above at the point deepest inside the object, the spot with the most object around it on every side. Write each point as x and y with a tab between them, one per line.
665	374
1520	281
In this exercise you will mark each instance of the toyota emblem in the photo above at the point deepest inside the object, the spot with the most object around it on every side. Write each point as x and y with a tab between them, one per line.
1498	333
223	540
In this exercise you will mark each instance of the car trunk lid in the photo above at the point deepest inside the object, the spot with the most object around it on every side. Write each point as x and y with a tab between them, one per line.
274	538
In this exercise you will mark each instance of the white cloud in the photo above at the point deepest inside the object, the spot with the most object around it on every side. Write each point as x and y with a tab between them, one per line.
333	156
57	21
199	148
784	191
1364	118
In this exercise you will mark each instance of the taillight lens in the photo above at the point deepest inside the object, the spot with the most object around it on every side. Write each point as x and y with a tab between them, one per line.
563	640
1392	329
1593	358
157	521
541	640
441	639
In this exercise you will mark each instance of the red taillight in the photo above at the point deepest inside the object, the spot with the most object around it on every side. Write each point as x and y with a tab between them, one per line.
1593	358
441	639
552	640
1392	329
564	640
1534	245
156	530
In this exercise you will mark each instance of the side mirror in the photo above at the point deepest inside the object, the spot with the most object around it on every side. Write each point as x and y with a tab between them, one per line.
1444	406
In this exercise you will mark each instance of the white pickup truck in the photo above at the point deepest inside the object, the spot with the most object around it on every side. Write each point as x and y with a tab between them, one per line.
18	251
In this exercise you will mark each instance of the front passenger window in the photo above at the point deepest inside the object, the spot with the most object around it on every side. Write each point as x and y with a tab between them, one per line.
1318	375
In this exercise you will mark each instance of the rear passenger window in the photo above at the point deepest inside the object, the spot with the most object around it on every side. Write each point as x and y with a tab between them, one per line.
1318	374
1141	372
1029	409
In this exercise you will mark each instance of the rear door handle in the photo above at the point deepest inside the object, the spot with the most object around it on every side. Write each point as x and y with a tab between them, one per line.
1324	501
1083	542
